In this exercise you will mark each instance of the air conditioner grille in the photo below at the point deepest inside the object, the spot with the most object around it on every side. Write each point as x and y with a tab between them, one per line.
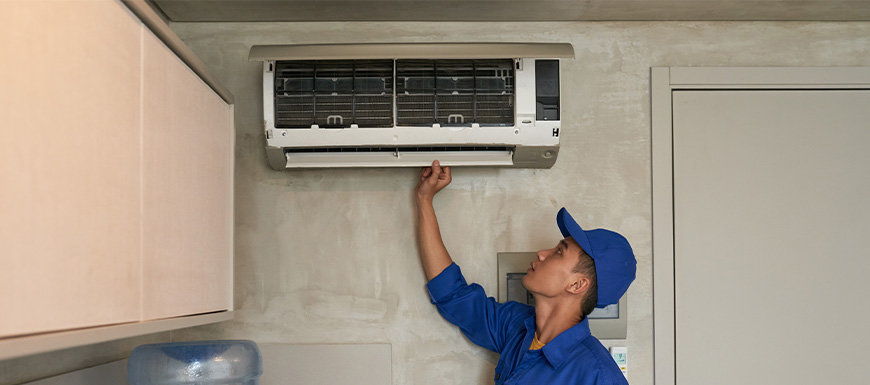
495	109
455	92
339	93
294	111
333	93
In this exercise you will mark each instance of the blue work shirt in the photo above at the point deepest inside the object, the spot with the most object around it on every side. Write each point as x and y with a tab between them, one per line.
574	357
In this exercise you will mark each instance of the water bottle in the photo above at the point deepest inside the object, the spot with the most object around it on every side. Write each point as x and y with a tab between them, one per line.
227	362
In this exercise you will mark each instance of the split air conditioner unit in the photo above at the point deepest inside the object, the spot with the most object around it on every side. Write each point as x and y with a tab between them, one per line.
403	105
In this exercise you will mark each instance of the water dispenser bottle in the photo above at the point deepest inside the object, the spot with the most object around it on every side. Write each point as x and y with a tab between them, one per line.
229	362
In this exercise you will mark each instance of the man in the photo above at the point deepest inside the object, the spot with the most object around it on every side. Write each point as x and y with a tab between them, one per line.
549	343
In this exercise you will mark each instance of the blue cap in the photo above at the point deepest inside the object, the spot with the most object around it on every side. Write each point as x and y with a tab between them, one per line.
615	265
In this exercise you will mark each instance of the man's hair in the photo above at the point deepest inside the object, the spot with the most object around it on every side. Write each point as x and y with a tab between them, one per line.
587	267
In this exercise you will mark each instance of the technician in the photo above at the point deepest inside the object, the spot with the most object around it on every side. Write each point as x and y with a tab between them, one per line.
550	343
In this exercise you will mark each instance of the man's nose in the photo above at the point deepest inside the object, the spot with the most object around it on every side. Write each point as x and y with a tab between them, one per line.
541	254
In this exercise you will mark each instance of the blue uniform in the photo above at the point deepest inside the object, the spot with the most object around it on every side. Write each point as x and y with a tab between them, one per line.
574	357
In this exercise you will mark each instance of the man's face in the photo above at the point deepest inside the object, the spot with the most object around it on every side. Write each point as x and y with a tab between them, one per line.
552	271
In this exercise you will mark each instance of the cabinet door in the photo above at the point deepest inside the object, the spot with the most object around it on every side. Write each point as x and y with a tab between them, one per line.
187	178
69	165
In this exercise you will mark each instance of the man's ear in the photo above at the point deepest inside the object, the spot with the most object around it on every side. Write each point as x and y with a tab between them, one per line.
580	285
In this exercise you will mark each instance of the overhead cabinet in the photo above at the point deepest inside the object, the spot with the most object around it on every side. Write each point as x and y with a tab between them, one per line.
69	166
116	172
187	173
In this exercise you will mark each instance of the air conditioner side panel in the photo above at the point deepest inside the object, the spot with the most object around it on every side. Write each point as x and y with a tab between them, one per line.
535	156
275	157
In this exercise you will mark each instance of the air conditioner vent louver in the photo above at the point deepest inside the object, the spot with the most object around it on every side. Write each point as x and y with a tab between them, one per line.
400	149
333	93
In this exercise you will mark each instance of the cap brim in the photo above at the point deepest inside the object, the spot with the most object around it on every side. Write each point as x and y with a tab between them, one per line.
569	228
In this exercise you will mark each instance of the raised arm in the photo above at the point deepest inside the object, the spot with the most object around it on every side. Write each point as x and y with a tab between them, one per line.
483	320
433	254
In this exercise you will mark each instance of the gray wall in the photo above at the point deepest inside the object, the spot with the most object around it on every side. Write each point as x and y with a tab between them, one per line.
329	256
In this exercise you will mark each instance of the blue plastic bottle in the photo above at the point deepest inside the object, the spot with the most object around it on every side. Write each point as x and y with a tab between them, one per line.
228	362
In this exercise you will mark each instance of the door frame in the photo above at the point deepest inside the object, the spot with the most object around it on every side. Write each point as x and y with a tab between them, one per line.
663	82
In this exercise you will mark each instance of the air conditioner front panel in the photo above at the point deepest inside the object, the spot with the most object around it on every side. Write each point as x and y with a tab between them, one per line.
541	134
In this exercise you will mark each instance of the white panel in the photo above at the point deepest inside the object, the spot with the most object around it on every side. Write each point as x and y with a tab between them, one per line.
524	92
771	226
69	165
326	364
187	187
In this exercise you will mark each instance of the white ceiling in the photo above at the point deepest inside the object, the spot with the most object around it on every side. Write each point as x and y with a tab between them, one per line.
511	10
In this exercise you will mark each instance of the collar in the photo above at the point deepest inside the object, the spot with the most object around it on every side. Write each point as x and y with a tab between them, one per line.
561	348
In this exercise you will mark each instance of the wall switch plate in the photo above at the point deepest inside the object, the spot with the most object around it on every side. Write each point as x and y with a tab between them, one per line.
620	355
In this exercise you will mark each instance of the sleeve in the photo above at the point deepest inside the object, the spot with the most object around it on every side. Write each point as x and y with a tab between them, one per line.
483	320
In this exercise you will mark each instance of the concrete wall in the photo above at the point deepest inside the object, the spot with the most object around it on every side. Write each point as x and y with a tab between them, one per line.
329	256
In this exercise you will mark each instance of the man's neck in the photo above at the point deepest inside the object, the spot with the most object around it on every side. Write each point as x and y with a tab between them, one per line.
552	317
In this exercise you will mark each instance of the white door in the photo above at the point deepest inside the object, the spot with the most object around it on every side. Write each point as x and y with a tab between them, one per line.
771	224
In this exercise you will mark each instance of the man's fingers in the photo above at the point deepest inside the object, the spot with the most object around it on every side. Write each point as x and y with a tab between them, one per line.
436	169
435	174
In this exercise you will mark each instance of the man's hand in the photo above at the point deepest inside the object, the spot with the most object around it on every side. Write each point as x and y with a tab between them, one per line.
432	180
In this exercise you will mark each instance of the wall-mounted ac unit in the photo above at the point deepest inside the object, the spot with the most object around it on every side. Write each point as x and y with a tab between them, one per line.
406	104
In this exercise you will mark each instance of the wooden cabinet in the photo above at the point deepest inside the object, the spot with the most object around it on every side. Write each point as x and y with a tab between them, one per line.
69	161
116	167
187	155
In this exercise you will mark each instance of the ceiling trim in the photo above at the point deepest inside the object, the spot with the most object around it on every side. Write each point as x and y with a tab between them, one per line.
512	10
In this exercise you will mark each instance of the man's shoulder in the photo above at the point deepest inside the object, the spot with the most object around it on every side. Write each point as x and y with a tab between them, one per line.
515	312
519	308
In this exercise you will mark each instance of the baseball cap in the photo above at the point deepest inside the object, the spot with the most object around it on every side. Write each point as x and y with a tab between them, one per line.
615	265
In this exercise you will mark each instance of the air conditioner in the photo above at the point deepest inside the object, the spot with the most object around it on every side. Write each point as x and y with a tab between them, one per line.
406	104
